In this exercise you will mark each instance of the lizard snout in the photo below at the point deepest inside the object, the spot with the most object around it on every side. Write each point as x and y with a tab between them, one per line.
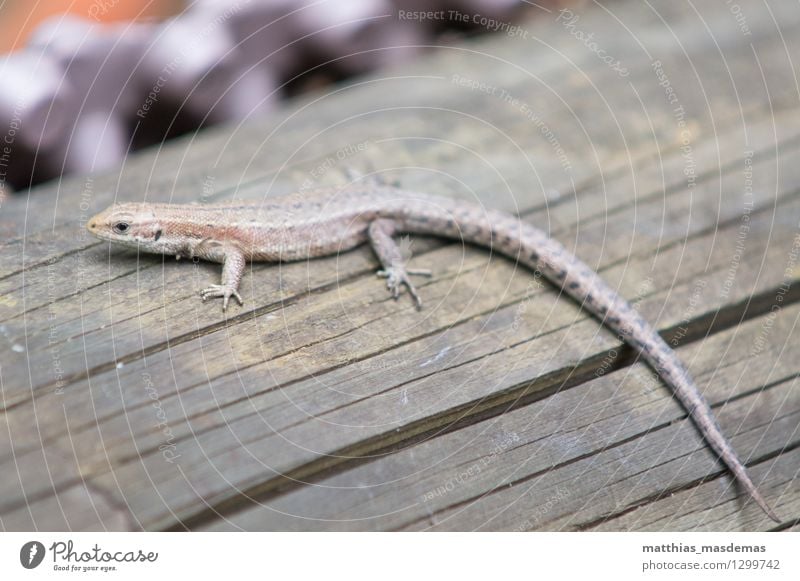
94	225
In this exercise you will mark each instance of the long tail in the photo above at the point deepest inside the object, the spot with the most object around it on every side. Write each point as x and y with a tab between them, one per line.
528	245
664	360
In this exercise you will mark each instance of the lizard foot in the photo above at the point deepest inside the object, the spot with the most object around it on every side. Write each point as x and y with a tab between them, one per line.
216	291
397	276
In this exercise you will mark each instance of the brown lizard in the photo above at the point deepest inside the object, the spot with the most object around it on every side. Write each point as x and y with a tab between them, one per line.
328	221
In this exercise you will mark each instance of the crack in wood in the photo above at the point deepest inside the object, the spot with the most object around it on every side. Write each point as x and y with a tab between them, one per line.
471	413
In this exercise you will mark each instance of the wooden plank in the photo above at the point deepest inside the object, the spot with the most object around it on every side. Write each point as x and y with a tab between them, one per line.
145	307
47	311
592	235
604	447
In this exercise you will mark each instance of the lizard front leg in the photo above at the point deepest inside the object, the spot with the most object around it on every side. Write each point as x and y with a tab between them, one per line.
233	263
393	258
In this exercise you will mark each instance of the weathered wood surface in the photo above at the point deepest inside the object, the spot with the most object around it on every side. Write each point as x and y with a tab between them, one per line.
322	404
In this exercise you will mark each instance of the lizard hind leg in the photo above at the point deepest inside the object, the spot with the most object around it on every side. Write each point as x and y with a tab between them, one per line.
393	257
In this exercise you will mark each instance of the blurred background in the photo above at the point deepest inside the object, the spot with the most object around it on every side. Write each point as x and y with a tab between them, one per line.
87	81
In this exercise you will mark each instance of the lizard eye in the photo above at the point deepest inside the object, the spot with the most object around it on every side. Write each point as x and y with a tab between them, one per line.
121	227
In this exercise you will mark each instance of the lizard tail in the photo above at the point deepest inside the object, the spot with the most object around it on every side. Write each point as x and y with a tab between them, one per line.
615	312
528	245
595	295
661	357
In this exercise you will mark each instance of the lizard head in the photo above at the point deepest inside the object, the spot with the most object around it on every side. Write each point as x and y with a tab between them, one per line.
130	224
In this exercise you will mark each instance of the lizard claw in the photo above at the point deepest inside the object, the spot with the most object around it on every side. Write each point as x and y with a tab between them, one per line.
216	291
397	276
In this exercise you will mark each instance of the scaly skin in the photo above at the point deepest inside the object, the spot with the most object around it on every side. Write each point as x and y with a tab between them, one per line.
324	222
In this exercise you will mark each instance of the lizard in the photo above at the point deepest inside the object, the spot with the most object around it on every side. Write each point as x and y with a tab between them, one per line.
331	220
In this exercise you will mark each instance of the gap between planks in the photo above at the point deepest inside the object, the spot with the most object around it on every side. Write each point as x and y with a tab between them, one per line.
502	402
